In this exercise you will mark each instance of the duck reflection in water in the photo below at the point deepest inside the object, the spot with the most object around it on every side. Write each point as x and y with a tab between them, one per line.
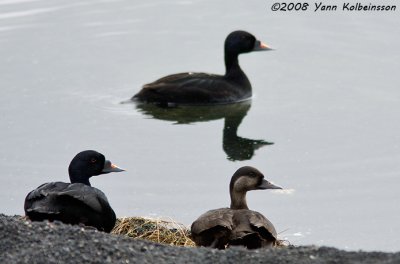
236	147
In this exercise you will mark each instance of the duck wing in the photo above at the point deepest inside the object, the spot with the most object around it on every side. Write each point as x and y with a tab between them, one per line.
263	225
86	205
74	203
41	199
180	79
252	230
213	228
190	88
217	217
90	196
46	197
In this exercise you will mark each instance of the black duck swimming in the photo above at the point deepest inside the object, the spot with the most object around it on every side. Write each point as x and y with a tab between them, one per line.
204	88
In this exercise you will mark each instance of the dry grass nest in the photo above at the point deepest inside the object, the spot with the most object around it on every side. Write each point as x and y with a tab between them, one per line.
161	231
156	230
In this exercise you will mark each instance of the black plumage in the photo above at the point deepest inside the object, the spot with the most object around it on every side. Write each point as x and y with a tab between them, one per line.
203	88
76	202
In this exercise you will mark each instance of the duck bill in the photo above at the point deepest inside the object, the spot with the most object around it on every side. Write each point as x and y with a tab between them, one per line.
267	185
110	167
260	46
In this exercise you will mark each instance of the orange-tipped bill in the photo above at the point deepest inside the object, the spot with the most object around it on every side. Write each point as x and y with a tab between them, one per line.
110	167
260	46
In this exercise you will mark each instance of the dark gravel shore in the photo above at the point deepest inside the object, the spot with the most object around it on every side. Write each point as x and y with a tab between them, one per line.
32	242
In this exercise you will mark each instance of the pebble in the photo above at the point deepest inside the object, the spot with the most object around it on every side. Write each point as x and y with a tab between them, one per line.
23	241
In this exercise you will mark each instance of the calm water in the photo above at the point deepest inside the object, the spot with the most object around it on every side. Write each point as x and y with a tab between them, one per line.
328	98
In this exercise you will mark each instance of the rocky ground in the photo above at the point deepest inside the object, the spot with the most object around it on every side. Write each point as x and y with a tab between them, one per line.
33	242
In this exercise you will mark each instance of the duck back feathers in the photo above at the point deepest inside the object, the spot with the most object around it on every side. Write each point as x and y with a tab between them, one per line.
74	204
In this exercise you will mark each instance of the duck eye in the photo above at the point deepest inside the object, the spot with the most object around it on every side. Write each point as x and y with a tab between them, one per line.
93	160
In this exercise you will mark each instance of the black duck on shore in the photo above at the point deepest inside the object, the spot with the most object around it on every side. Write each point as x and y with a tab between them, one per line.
76	202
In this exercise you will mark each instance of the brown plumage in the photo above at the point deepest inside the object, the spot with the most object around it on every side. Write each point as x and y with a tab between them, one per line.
237	225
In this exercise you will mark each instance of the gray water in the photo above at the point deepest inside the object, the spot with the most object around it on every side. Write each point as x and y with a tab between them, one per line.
328	98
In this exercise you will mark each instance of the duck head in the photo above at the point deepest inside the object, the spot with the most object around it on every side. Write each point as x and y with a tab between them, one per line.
89	163
242	42
247	179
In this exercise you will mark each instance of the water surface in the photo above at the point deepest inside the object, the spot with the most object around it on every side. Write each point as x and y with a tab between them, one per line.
328	98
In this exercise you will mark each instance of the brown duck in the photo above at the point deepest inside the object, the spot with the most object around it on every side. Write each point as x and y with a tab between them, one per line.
237	225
